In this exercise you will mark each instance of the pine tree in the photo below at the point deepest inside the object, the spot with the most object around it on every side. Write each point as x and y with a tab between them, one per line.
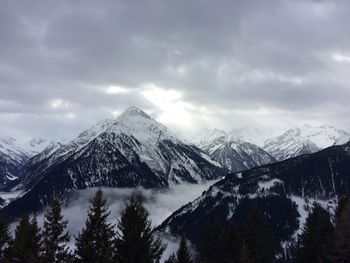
339	250
171	259
244	254
315	238
210	248
342	205
218	244
55	237
94	243
5	239
135	240
183	254
258	239
26	244
231	244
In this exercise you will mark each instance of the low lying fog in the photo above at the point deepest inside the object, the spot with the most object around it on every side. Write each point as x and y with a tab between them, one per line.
159	203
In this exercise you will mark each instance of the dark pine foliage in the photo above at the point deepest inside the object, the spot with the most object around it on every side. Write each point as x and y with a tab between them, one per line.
210	247
26	244
258	239
315	238
244	255
95	242
219	244
171	259
183	253
231	243
55	236
136	242
339	251
5	239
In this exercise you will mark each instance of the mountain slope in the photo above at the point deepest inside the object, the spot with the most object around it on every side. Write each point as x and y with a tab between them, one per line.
304	140
12	158
34	146
133	150
284	191
231	152
206	136
256	135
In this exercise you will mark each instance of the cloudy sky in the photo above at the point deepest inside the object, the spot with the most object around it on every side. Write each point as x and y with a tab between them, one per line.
65	65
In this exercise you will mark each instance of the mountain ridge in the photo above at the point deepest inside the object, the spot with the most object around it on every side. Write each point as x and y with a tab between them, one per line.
231	152
284	191
132	150
304	140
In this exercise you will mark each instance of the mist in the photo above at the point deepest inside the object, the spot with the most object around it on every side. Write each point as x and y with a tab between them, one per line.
159	203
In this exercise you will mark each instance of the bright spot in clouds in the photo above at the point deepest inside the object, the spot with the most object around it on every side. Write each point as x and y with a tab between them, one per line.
341	58
59	103
70	116
173	109
116	90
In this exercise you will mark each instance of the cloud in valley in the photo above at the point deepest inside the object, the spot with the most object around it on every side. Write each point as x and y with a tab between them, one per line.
159	203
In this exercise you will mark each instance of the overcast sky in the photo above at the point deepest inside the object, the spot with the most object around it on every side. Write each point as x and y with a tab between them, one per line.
65	65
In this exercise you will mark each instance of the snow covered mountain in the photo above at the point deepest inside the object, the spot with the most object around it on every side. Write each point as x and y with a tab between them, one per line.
284	191
132	150
256	136
12	158
206	136
230	151
34	146
304	140
13	155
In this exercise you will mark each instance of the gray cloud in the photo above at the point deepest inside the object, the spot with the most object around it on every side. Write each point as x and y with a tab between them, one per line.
235	56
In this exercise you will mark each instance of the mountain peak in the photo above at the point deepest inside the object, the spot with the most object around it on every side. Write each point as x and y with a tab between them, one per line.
133	111
8	140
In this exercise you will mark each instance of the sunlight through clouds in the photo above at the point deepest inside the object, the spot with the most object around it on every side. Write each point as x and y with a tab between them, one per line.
172	108
116	90
341	58
59	103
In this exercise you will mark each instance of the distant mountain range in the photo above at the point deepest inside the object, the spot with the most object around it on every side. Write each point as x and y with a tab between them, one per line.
283	191
13	155
305	140
231	152
135	150
222	146
132	150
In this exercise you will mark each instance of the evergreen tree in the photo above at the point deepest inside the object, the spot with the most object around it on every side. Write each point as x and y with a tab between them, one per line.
171	259
342	205
95	242
55	237
231	244
26	244
257	238
219	245
5	239
315	238
210	248
244	254
183	254
339	251
135	240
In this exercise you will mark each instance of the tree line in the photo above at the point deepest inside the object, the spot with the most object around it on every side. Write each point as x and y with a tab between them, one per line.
133	239
323	239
